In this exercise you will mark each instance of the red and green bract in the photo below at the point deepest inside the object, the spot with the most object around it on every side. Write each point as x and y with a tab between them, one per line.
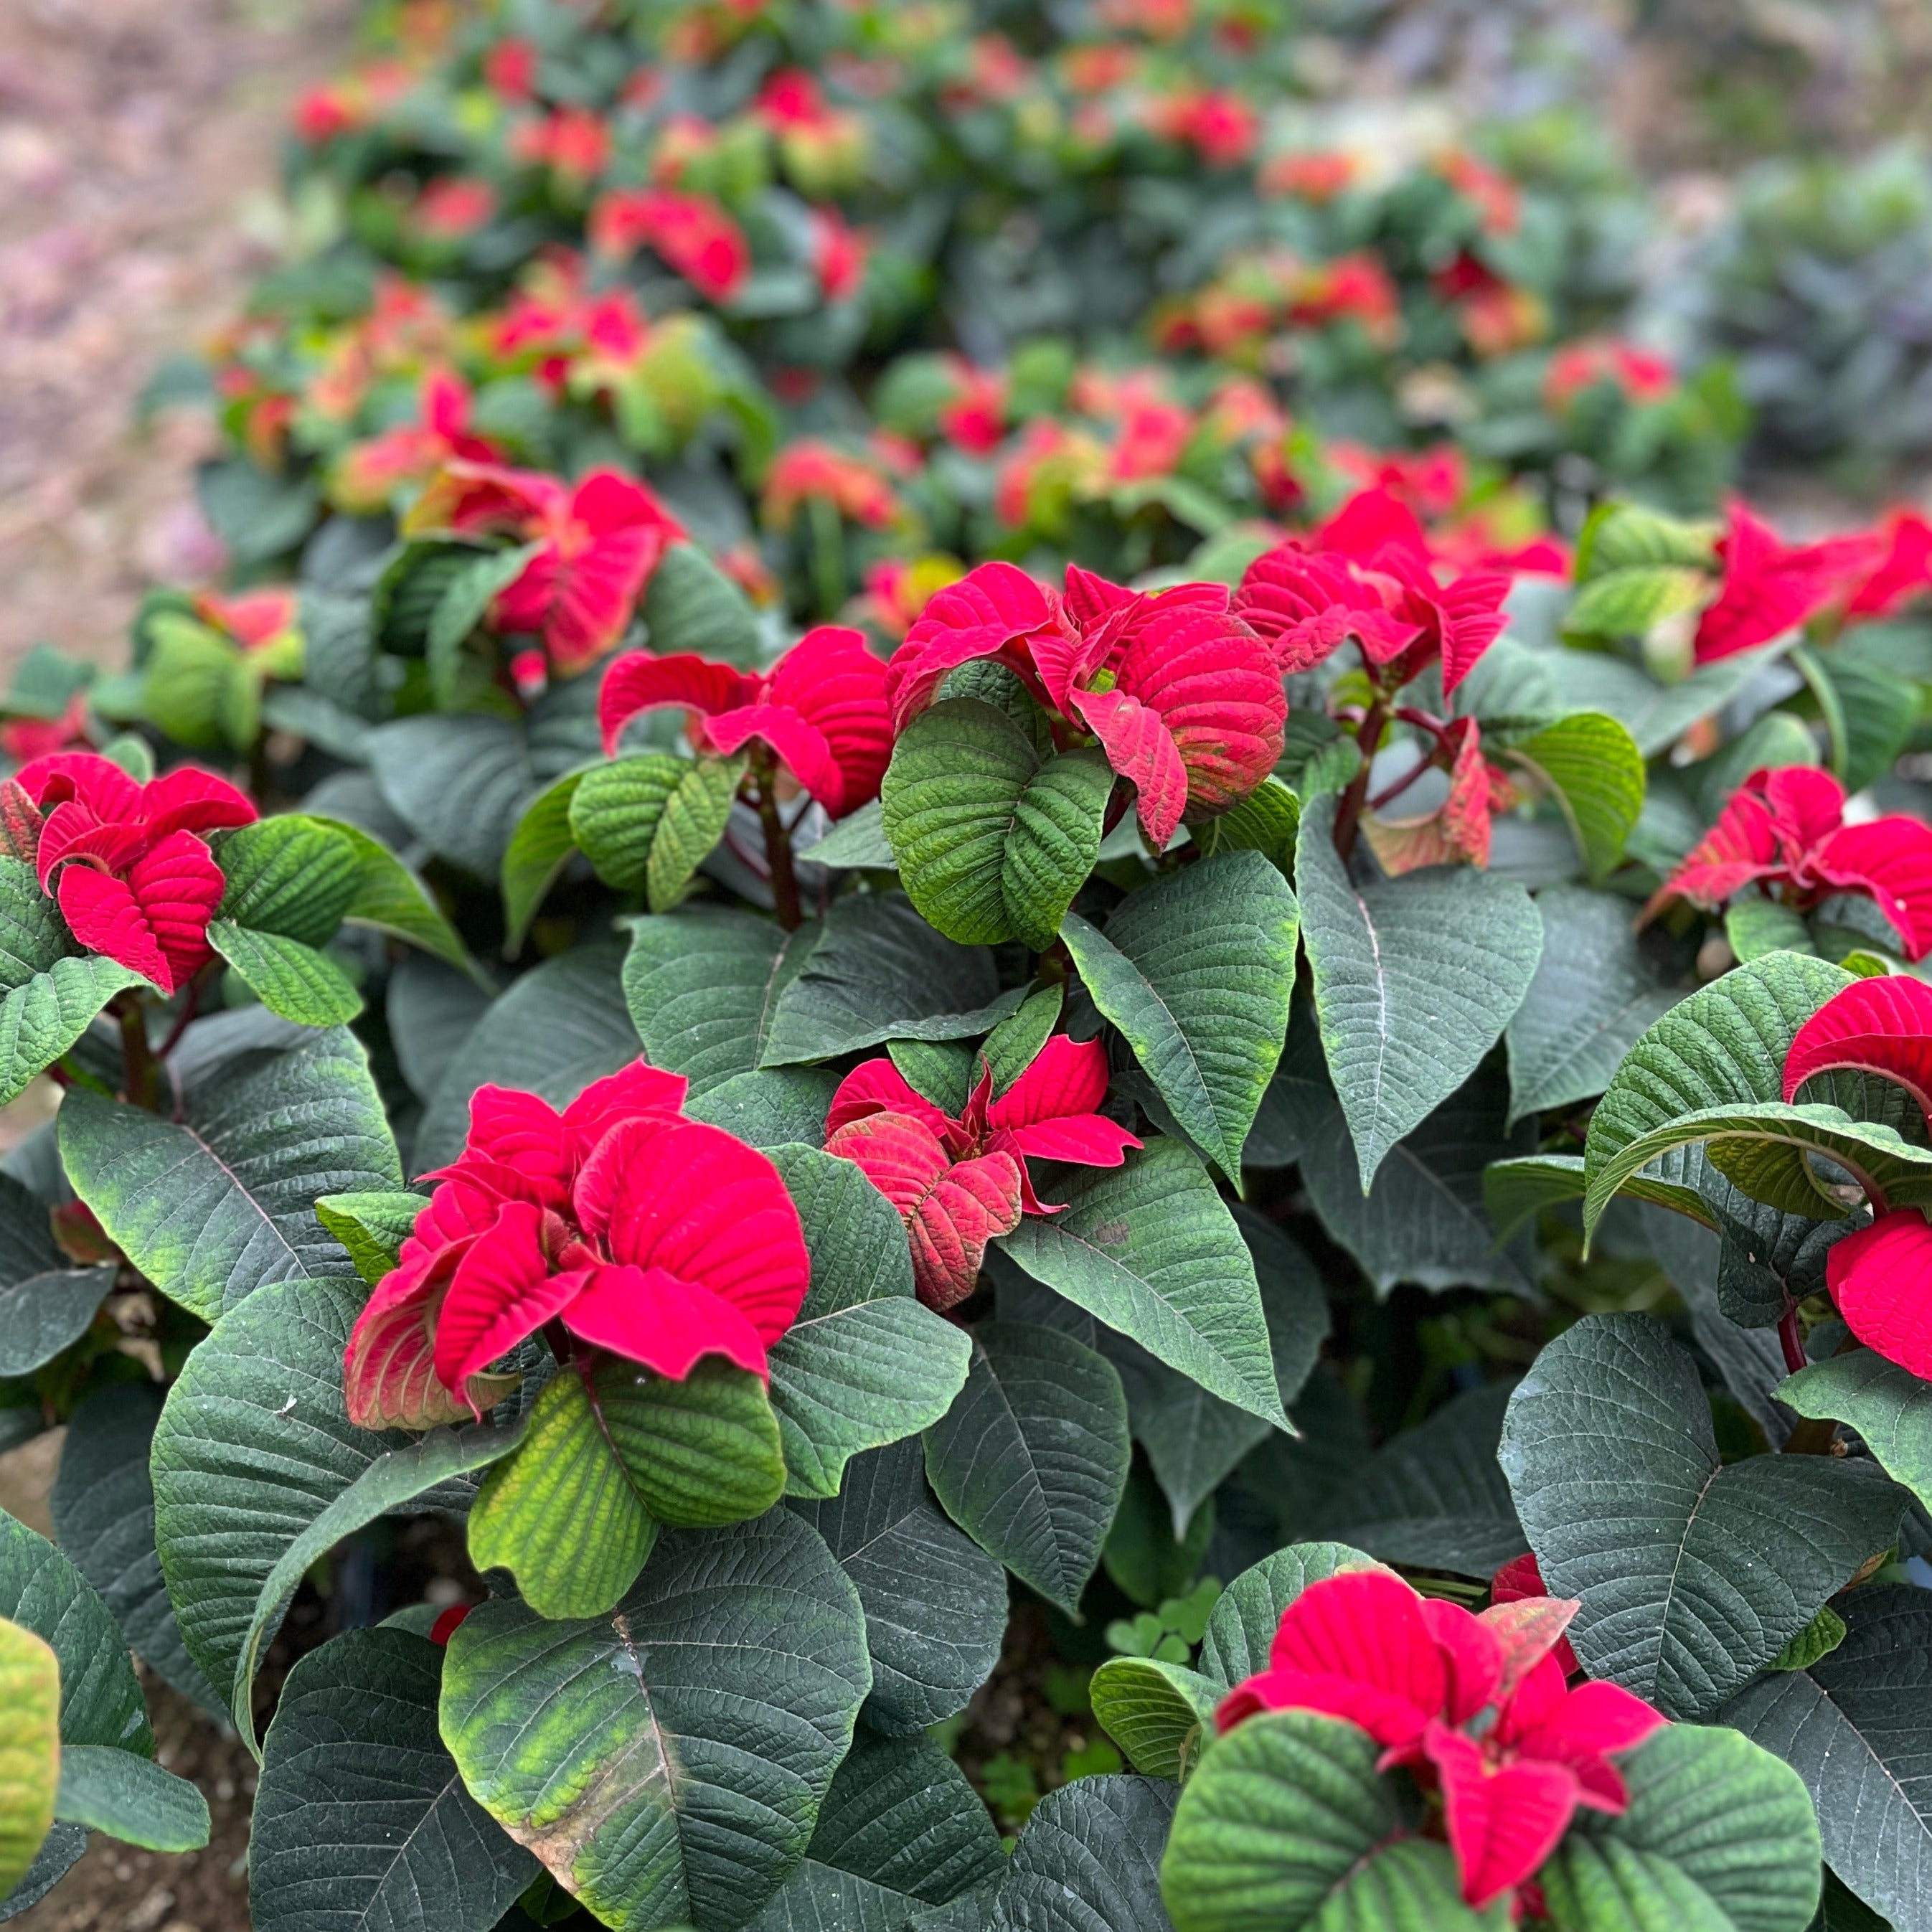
123	861
958	1181
821	708
1475	1706
656	1238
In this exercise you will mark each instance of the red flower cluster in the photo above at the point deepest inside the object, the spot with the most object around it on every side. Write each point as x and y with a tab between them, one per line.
1769	586
1175	684
691	233
1881	1276
958	1182
598	543
1476	1705
659	1239
122	860
368	474
1786	828
821	708
1369	573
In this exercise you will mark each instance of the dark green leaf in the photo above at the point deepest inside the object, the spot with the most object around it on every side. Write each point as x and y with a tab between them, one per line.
690	604
1888	1406
293	981
372	1228
129	1798
1089	1860
460	783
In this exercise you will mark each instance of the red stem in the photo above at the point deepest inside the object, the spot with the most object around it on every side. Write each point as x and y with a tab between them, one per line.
1349	815
1791	1342
778	852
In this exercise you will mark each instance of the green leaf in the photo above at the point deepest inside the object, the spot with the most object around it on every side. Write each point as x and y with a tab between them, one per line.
1415	980
666	1763
32	936
770	1107
879	972
1516	1190
1031	1459
198	688
254	1443
40	1589
900	1833
372	1228
553	1031
1196	970
1631	600
538	850
856	844
1870	713
30	1750
46	1313
1242	1624
212	1206
1890	1408
1288	1824
1818	1638
290	875
690	604
392	898
992	842
1090	1857
1755	927
647	822
43	1016
1433	1496
1658	715
460	783
1719	1837
563	1515
129	1798
866	1363
1594	767
704	985
1150	1248
935	1603
1159	1713
1594	996
361	1817
293	981
103	1515
1724	1045
1012	1046
1692	1575
1617	535
701	1453
1266	821
467	595
1854	1728
393	1481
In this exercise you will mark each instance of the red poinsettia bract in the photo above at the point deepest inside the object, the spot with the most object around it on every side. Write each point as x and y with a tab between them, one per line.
959	1181
598	542
1881	1276
1176	689
1369	573
659	1239
1786	829
1476	1705
821	708
1769	586
123	862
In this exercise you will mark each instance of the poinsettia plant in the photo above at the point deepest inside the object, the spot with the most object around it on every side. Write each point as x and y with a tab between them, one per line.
1017	1103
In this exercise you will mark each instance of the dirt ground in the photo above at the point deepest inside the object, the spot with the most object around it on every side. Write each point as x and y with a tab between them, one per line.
138	146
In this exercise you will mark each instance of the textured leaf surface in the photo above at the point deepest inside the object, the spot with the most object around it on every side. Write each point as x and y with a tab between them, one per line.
1089	1858
294	981
990	842
647	821
1287	1825
935	1603
360	1818
43	1016
1196	970
1592	765
104	1517
371	1228
1242	1624
1855	1727
1150	1248
1693	1576
667	1762
1719	1837
129	1798
539	849
253	1444
291	875
770	1107
29	1748
553	1032
866	1363
214	1206
459	783
879	972
1434	1495
1415	979
1594	996
1888	1406
392	898
40	1589
1031	1459
702	987
1158	1713
43	1314
690	604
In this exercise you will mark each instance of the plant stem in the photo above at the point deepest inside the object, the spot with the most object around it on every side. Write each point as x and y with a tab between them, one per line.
1348	815
191	1005
140	1071
778	852
1791	1342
